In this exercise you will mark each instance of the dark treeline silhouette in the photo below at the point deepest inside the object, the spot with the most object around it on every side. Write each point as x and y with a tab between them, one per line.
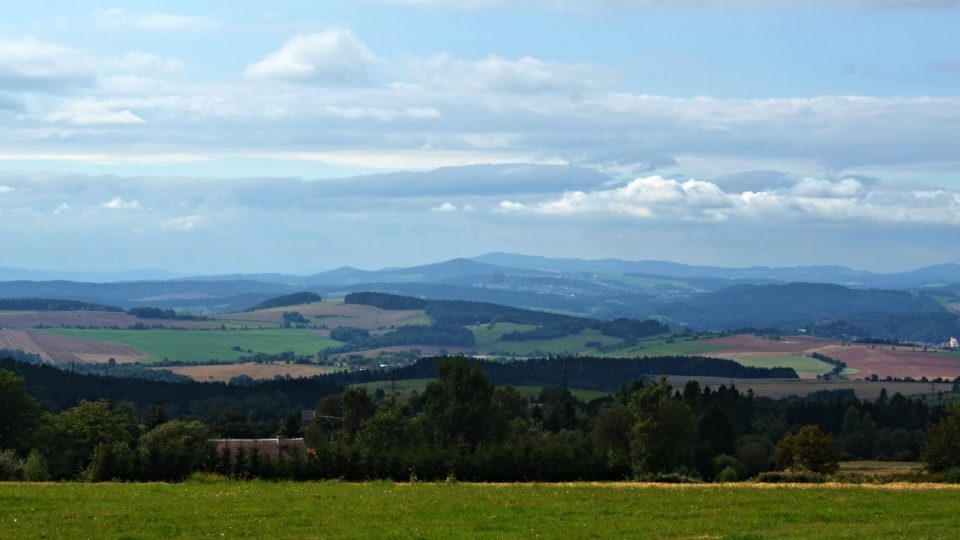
160	313
51	304
463	426
293	299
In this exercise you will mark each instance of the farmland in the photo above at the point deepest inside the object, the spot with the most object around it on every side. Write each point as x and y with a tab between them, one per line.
200	346
63	349
224	372
386	509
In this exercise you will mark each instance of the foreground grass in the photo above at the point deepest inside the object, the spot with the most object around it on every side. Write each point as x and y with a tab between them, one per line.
324	510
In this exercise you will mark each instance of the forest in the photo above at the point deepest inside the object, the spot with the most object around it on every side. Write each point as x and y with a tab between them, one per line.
464	425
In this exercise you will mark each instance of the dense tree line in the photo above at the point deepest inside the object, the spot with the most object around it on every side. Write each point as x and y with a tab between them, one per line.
463	426
52	304
293	299
160	313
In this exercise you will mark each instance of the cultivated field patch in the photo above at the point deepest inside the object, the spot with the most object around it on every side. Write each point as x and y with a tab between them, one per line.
60	349
895	361
805	366
225	372
334	314
205	345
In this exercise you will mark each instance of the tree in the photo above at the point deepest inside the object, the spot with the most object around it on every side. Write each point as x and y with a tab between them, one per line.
174	450
458	405
68	439
665	430
18	412
35	467
610	439
941	450
809	450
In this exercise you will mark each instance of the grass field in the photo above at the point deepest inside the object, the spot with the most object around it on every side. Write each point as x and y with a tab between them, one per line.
660	347
488	334
574	343
806	367
388	510
199	346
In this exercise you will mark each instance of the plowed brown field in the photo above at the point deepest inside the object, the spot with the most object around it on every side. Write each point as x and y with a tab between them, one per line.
881	360
63	350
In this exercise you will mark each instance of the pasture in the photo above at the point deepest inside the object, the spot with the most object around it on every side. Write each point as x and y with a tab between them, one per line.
460	510
201	346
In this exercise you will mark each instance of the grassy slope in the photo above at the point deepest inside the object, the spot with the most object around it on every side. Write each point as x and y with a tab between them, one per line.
198	346
382	509
488	340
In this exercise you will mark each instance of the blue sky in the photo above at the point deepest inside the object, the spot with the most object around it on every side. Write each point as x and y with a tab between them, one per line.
187	136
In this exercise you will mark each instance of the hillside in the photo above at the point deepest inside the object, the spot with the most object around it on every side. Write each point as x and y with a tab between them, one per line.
770	305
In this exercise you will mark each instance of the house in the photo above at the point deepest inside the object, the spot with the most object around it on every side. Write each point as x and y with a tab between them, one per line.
954	344
272	448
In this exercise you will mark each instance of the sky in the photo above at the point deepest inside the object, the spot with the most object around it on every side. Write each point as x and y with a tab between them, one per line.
299	136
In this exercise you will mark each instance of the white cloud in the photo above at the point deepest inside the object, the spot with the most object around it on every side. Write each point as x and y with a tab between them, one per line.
505	207
5	189
382	114
31	64
846	199
118	203
119	19
335	56
182	223
497	74
445	207
86	112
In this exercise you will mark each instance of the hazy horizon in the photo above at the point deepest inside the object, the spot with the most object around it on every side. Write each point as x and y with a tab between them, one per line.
243	137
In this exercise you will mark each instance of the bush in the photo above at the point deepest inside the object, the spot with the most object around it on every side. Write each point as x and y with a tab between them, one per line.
669	478
728	474
809	450
11	466
202	477
785	477
35	467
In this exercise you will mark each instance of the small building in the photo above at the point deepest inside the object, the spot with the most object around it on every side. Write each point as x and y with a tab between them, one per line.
272	448
954	343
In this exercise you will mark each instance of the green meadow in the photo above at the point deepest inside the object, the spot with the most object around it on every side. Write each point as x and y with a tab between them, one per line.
200	346
461	510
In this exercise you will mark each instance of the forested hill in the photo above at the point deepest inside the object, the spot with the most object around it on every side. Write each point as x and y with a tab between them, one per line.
51	304
293	299
765	305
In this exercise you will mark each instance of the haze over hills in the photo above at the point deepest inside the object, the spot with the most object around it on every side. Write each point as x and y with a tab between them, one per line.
703	297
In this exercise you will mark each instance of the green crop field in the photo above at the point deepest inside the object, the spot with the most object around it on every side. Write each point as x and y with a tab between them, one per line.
806	367
200	346
488	334
457	510
660	347
573	343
